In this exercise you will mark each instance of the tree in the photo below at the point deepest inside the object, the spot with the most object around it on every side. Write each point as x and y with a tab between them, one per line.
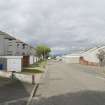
42	52
101	57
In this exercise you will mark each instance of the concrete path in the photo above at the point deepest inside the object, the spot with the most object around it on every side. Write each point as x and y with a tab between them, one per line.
71	84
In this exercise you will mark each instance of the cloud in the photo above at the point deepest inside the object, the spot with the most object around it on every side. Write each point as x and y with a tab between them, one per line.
64	25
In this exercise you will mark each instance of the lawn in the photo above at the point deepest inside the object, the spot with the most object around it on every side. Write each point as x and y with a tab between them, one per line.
35	68
39	64
32	70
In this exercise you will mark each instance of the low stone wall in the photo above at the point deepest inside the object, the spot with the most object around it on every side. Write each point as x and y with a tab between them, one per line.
5	74
85	62
28	78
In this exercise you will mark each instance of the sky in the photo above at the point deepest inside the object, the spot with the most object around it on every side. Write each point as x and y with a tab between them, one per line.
63	25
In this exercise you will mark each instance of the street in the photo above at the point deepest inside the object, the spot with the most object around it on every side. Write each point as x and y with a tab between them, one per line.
71	84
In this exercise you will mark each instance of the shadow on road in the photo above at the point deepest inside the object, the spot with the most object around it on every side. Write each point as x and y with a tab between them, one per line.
78	98
12	90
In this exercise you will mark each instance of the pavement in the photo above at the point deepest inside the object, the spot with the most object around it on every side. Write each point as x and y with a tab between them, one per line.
71	84
13	92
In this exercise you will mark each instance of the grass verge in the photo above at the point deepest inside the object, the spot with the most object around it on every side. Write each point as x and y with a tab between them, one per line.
31	71
34	68
38	64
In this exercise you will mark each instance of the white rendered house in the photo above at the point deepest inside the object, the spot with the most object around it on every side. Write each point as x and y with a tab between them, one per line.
13	51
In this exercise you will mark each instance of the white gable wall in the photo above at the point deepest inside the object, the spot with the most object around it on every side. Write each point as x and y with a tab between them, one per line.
2	45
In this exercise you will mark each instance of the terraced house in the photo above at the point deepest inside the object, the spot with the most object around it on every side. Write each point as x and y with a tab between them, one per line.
17	51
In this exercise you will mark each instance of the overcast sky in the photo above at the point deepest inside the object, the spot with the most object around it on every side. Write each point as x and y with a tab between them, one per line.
62	24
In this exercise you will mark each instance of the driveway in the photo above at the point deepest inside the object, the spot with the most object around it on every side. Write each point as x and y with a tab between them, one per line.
71	84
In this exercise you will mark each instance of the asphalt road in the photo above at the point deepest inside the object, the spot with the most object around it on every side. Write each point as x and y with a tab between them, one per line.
71	84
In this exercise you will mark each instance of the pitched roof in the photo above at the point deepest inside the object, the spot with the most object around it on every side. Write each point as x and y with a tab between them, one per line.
8	36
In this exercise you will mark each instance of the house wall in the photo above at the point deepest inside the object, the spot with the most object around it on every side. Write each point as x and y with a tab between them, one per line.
19	49
91	56
1	45
31	60
8	46
35	59
26	51
14	64
71	59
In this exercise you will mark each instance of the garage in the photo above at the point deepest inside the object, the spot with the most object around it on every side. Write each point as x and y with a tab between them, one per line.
71	59
11	63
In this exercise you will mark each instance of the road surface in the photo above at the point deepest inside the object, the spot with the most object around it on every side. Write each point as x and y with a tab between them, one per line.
71	84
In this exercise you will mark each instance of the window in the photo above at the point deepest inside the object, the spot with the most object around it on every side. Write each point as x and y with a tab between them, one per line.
9	45
23	54
17	45
9	53
23	46
10	39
